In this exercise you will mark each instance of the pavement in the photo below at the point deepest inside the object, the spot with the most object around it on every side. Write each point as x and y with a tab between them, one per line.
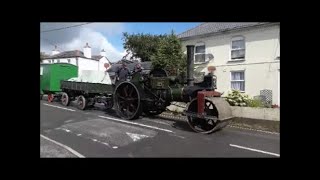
73	133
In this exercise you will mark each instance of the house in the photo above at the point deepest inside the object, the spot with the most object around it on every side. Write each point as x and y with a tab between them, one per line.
84	60
246	56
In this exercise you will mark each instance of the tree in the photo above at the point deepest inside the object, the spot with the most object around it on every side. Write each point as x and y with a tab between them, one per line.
142	46
164	51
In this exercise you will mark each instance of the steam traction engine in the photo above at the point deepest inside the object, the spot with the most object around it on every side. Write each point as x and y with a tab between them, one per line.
151	92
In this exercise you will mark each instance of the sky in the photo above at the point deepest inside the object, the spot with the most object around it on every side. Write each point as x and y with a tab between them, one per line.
107	36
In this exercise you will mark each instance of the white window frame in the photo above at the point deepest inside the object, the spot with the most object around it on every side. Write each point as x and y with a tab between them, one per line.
236	38
205	50
244	74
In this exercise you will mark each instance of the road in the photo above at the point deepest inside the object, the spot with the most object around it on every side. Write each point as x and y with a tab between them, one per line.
70	132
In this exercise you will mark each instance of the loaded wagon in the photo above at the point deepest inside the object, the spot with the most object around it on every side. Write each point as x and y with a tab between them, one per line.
90	88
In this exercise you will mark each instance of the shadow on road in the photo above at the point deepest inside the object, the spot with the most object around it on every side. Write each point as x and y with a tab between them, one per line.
177	124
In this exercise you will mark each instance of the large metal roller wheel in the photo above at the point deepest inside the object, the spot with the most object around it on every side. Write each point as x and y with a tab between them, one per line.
205	126
127	101
82	102
65	100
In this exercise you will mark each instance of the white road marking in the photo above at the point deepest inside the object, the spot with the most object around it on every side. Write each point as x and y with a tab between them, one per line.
256	150
159	122
58	107
136	137
178	136
79	134
128	122
64	146
106	144
94	140
115	147
63	129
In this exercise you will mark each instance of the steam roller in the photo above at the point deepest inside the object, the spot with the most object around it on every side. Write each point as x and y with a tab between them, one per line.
150	92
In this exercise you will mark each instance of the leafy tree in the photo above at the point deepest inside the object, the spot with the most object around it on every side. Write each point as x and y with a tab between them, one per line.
142	46
164	51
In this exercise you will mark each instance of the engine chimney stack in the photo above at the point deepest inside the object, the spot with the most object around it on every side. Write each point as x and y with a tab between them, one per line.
190	62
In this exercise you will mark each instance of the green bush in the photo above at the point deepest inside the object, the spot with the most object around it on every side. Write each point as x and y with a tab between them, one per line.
255	103
236	98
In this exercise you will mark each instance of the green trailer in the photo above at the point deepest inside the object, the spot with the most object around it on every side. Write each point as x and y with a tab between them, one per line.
51	76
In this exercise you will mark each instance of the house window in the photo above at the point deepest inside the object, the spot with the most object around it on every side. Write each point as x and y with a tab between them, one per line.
238	49
69	61
199	55
58	61
237	81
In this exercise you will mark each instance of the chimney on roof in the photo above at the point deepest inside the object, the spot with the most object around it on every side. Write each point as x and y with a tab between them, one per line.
55	51
103	53
87	51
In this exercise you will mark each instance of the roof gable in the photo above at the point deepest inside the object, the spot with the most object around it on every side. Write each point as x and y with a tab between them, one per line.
73	54
67	54
209	28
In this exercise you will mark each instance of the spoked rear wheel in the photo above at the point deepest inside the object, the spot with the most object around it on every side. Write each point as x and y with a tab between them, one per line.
202	125
65	100
82	102
127	101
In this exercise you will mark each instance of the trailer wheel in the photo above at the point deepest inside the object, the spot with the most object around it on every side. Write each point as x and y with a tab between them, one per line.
65	100
50	98
82	102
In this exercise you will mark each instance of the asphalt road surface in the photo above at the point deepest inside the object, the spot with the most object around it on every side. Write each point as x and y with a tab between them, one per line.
70	132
